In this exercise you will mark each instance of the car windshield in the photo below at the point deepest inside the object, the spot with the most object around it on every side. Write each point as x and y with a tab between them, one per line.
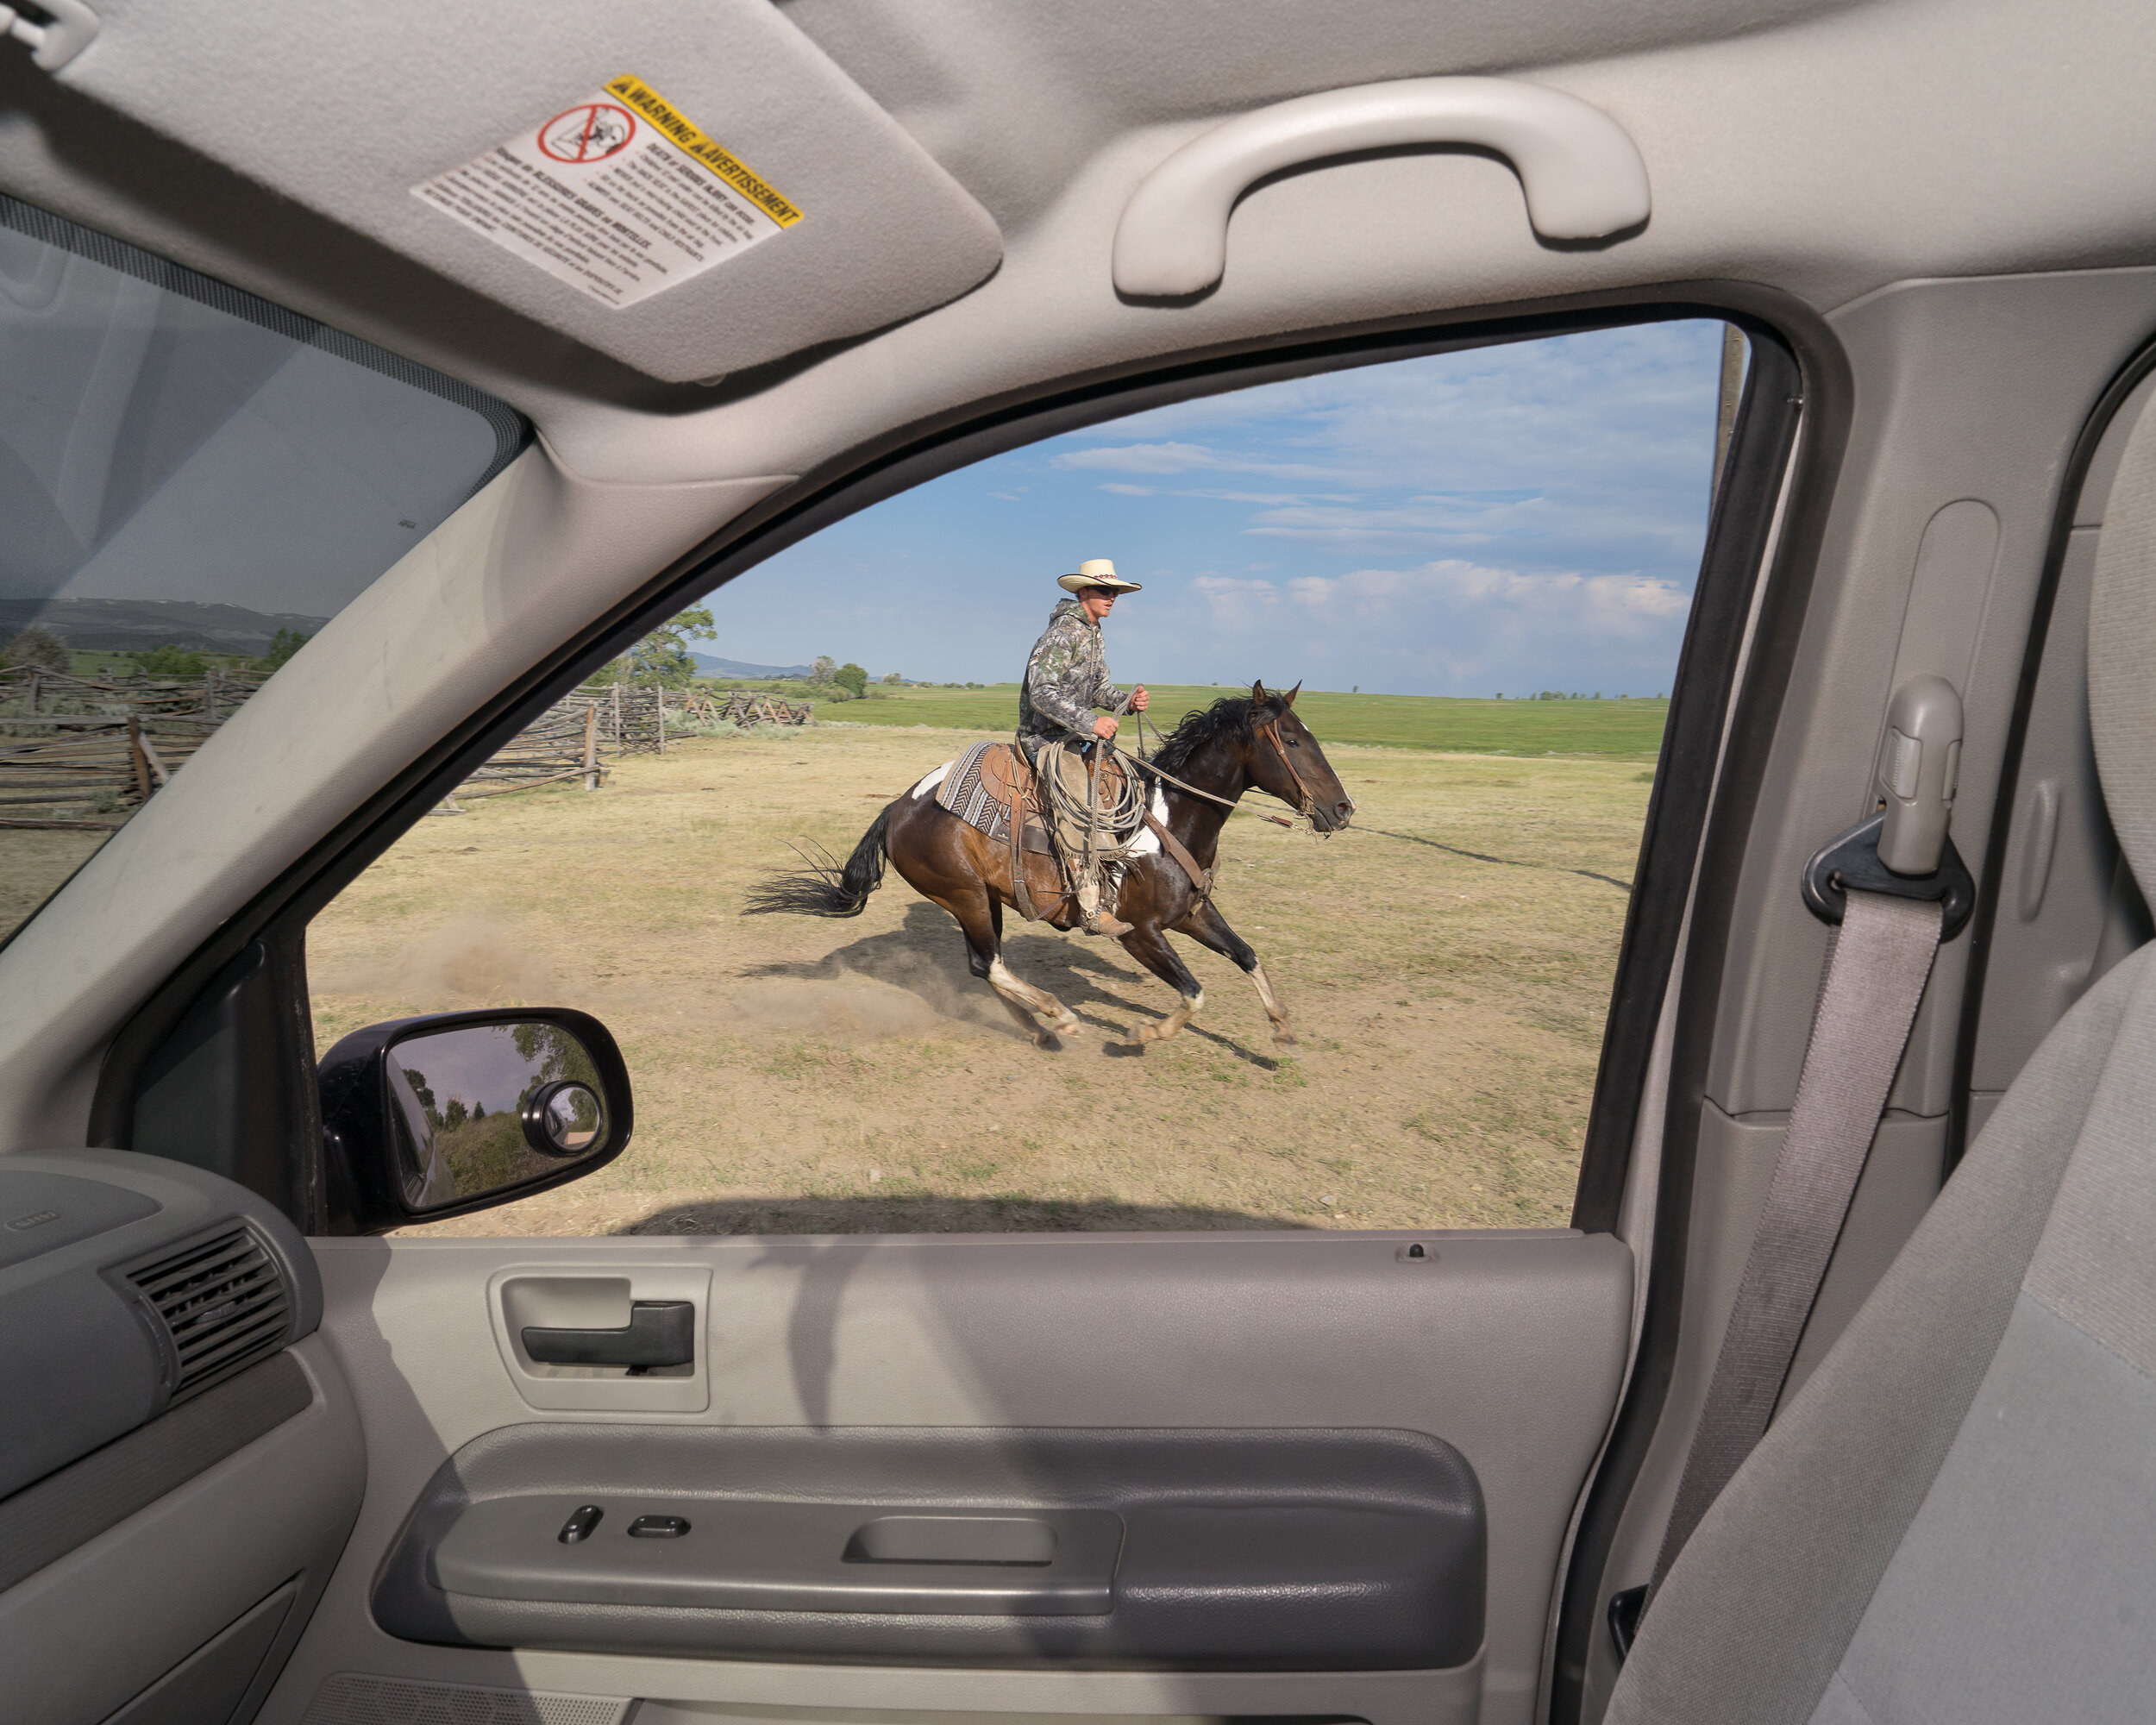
192	482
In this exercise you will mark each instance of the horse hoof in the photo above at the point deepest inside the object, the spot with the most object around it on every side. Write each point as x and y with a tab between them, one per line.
1287	1048
1070	1026
1148	1034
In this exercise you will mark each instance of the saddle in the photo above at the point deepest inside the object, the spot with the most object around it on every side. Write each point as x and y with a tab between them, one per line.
993	788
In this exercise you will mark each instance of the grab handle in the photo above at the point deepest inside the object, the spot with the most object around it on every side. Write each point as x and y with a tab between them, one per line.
1580	171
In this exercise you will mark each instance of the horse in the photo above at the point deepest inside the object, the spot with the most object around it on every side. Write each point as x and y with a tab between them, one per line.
1239	742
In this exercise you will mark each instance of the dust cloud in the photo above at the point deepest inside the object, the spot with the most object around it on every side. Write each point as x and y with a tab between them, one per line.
469	961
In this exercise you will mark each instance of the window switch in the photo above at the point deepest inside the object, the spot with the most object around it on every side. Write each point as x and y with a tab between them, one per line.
657	1527
578	1527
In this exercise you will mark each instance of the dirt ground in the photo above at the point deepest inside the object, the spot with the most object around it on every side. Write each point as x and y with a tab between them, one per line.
34	864
1447	962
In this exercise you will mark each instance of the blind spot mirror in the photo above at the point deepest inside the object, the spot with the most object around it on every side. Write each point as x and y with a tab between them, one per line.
565	1118
435	1117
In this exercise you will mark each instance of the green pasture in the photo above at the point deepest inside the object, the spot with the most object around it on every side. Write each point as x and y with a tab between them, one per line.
1477	727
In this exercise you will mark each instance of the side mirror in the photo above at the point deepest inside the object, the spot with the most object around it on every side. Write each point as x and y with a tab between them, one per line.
434	1116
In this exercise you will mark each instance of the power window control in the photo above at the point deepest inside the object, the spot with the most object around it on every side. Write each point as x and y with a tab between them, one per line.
578	1527
657	1527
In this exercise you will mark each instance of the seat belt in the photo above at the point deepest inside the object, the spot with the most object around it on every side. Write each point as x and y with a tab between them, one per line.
1896	888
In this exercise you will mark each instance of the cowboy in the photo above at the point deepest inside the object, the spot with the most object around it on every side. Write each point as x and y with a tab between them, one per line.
1066	678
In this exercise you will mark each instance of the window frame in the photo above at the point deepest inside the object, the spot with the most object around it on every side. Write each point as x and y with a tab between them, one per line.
898	460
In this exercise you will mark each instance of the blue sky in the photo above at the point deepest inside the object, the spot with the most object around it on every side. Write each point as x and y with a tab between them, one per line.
1509	519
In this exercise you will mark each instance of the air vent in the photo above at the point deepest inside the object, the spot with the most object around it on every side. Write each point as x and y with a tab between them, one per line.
223	1301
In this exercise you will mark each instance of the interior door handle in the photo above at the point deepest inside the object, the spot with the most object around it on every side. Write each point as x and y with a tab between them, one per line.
659	1332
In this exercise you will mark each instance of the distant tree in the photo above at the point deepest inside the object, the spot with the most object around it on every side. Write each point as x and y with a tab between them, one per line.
825	670
38	647
282	645
170	660
662	659
417	1080
455	1114
893	678
852	678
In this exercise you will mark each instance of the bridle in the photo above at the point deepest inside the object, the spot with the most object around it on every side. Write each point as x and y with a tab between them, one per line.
1306	808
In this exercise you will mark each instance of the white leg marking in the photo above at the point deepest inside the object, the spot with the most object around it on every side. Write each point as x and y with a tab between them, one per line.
1186	1006
1037	1000
933	779
1282	1037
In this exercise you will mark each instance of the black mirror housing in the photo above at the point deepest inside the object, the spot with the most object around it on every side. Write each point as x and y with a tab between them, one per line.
432	1117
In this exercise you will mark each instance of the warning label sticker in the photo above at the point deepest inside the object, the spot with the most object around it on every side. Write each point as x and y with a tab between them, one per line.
620	195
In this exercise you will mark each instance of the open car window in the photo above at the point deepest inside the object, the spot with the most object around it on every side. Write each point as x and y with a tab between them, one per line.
193	483
1480	566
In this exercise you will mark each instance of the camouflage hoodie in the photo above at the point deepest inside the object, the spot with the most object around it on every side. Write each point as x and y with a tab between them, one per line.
1066	678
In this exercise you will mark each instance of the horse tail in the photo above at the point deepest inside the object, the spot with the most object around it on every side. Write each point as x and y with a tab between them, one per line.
824	888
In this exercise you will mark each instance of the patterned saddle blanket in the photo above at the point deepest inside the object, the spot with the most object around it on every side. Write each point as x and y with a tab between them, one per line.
980	785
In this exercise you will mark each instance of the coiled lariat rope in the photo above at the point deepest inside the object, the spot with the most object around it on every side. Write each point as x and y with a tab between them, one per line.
1125	811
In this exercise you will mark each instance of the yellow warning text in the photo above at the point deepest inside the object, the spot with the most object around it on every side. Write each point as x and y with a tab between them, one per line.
723	162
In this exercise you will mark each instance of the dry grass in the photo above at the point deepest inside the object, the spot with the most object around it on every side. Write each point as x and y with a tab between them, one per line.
1447	962
34	863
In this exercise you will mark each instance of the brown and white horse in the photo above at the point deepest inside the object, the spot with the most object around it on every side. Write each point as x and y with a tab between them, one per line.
1238	743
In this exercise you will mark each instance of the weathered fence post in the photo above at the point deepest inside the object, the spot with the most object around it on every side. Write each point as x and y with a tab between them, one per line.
590	746
142	761
210	693
33	682
661	692
617	745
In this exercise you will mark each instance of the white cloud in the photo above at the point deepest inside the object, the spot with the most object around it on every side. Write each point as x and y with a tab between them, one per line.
1511	517
1452	622
1234	602
1601	603
1187	458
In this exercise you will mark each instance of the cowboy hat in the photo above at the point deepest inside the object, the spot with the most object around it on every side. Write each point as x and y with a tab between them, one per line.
1096	572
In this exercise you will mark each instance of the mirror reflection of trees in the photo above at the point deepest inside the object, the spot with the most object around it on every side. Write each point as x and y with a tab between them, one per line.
459	1096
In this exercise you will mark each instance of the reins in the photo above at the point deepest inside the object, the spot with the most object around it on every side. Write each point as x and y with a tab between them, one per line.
1271	730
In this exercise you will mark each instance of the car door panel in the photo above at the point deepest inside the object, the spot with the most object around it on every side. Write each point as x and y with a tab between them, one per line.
1267	1550
1506	1347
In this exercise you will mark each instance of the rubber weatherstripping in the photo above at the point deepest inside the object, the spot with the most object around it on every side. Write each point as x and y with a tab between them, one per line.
45	1521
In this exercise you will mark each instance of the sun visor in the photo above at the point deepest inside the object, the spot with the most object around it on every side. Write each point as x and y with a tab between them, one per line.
689	185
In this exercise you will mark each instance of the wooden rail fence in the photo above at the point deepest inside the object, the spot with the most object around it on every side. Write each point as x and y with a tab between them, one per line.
82	754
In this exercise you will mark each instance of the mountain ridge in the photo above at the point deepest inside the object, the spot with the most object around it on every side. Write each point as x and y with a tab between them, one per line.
706	666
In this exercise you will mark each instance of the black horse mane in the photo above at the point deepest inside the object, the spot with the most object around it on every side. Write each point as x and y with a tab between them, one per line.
1230	716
